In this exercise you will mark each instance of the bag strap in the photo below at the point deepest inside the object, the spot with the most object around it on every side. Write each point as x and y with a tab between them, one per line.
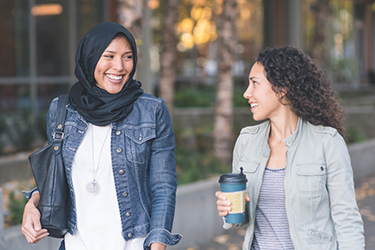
61	111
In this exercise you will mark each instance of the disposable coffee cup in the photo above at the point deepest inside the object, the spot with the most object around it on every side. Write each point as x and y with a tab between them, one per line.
234	188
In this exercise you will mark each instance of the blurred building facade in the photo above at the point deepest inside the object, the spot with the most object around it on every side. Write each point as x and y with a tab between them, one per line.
38	39
349	34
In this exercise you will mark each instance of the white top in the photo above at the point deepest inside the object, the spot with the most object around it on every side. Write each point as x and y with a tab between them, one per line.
98	216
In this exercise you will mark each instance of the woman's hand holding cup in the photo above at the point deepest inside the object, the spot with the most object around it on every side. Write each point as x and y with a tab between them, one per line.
223	205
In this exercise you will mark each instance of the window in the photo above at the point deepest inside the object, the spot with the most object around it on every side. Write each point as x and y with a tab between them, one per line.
38	41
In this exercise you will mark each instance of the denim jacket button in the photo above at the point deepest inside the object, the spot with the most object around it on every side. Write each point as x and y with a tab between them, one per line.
118	132
125	194
127	214
130	235
119	150
121	172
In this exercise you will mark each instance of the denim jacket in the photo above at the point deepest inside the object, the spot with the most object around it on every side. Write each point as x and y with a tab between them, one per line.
144	169
319	191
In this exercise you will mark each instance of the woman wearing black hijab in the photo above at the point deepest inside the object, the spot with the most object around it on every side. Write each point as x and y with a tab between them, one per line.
118	153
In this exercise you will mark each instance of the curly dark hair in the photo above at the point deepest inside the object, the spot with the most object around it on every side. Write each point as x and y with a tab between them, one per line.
301	84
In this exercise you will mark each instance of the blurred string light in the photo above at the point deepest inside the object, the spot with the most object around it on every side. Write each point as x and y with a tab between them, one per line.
198	28
47	9
153	4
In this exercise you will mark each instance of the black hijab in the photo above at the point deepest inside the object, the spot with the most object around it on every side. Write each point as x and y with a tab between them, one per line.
94	104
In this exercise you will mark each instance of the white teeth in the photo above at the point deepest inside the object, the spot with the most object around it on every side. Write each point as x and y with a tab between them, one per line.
114	77
254	105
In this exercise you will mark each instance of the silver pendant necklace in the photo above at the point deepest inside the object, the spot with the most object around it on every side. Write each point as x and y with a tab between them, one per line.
93	186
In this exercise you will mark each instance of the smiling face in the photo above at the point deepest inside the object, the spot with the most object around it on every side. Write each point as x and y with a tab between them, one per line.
262	99
114	66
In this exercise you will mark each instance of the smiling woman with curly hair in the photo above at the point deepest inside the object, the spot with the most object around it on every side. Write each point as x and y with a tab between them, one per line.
303	86
300	189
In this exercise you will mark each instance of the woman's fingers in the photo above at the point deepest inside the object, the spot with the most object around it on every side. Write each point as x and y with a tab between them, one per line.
222	199
223	205
31	226
247	197
220	195
41	236
33	236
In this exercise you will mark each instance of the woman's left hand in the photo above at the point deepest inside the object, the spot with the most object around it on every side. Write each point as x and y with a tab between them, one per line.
158	246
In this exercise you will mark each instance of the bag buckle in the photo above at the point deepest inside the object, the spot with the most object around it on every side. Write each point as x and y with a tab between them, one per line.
60	135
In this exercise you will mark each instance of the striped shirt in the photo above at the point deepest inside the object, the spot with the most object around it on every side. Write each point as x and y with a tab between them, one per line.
271	224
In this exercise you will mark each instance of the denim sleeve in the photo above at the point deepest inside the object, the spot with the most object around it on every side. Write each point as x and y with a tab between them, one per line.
28	194
345	214
163	182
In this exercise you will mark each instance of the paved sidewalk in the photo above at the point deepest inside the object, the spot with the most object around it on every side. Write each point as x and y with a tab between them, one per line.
365	193
366	202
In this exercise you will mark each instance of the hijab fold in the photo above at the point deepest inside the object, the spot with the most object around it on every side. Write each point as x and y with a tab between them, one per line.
94	104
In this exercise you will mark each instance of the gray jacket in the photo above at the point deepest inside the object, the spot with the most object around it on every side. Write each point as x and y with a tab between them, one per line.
319	190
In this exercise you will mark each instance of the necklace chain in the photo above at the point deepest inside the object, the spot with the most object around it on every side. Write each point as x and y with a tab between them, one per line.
93	186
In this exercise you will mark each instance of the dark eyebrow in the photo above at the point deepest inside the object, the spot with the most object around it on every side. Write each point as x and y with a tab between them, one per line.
251	78
110	51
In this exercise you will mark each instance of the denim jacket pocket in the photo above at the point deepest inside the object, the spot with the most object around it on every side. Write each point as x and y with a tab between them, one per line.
71	144
138	140
311	178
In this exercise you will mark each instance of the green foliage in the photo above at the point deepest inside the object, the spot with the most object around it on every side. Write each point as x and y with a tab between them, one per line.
344	70
353	135
22	130
195	97
193	165
40	125
194	157
204	96
14	200
238	99
16	206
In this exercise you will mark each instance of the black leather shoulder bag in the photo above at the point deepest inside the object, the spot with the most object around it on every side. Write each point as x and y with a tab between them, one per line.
49	173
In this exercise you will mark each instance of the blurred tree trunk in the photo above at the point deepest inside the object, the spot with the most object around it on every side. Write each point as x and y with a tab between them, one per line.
322	12
130	15
135	16
168	53
223	137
